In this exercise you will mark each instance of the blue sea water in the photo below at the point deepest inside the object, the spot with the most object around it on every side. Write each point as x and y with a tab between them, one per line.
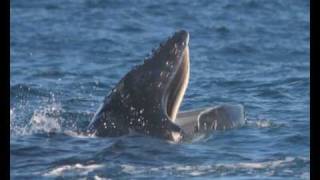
67	54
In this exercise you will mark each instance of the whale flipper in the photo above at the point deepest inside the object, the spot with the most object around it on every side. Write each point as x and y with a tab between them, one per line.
206	119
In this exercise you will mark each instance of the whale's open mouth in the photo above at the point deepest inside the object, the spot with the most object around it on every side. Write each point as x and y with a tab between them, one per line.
177	85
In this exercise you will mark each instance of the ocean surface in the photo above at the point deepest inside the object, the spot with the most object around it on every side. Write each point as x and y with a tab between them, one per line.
66	55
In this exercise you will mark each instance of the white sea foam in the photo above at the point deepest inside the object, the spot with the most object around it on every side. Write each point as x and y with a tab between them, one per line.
197	170
261	123
75	168
127	168
260	165
305	175
100	178
264	123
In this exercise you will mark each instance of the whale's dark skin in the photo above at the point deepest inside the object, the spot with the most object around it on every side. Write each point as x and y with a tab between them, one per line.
143	99
147	99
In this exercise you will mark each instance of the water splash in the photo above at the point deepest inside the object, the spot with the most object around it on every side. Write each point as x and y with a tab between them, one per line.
15	128
47	119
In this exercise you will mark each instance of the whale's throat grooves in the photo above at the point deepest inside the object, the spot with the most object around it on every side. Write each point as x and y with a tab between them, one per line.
178	86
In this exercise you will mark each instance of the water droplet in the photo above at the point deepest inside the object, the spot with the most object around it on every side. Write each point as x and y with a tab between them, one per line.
96	82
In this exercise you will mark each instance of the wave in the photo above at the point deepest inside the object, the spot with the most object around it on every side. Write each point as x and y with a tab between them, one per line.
80	169
27	90
268	168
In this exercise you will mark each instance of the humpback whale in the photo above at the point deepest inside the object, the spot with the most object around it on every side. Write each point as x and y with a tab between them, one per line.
147	99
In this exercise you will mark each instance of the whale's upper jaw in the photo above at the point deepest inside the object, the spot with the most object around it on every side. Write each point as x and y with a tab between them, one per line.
170	69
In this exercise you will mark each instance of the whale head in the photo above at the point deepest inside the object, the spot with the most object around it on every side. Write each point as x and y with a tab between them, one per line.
147	99
165	75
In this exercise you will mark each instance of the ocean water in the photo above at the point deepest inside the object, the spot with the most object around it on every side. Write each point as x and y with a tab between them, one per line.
66	56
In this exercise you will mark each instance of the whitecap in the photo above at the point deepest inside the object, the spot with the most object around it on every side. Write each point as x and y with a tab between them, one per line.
75	168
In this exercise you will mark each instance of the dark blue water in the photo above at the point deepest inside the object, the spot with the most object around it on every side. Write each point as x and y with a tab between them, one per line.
67	54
